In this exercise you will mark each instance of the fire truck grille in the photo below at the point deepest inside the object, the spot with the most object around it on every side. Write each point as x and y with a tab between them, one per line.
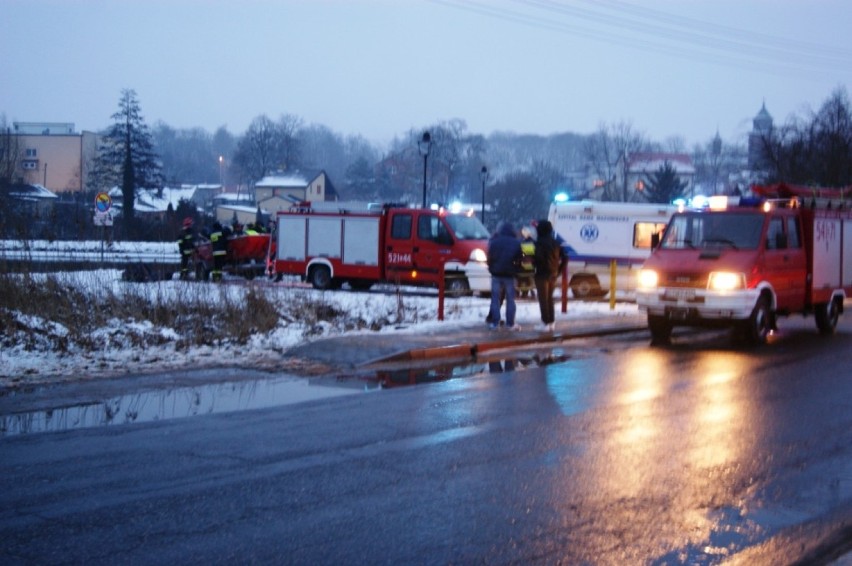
684	280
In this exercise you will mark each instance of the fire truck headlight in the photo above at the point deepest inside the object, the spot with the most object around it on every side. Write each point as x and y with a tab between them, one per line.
648	279
725	281
478	255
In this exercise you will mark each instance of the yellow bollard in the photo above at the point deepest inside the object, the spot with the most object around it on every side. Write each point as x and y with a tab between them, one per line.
612	285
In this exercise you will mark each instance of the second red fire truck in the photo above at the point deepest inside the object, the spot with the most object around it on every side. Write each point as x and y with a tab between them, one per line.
742	263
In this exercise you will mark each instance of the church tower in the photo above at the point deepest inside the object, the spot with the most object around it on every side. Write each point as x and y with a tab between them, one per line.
761	127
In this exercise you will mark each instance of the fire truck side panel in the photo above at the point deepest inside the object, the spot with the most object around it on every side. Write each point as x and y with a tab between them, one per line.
832	254
826	253
325	237
847	253
292	238
361	241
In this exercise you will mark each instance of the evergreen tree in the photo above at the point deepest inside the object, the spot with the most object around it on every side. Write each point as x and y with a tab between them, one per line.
126	156
664	185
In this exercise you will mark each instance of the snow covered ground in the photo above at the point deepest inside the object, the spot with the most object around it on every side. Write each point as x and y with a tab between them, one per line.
134	346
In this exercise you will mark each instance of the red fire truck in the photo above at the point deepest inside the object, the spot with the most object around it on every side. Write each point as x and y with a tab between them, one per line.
741	263
332	243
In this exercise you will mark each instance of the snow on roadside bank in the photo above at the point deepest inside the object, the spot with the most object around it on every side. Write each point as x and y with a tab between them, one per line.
44	353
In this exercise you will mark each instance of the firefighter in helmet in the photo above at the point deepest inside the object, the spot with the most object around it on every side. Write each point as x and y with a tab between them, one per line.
219	243
186	246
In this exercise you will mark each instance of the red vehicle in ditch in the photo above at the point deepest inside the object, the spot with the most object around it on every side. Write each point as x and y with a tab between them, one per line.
249	255
741	263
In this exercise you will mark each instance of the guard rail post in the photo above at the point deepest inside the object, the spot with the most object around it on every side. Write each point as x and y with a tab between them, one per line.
441	291
612	268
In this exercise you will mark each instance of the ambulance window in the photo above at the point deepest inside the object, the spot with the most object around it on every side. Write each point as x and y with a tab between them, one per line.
401	227
643	231
794	239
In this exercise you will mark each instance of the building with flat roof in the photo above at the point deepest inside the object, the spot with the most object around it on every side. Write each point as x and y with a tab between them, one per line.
53	155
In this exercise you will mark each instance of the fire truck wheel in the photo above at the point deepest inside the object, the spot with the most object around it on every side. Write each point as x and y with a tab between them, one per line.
826	317
585	287
757	327
661	330
456	286
320	277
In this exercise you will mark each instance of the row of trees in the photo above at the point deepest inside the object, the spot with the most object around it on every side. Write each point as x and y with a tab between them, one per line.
524	171
815	149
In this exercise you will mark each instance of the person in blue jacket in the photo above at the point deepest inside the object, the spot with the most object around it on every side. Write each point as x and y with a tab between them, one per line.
504	257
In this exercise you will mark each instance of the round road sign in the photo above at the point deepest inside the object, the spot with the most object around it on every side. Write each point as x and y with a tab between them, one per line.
103	202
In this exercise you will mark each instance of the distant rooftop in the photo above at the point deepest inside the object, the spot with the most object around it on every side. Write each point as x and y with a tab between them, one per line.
43	128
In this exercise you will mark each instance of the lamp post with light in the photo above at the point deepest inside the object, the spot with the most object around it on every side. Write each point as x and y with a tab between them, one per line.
483	176
221	174
425	145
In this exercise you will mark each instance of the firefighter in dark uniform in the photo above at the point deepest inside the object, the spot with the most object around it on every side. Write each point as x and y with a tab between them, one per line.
186	246
219	243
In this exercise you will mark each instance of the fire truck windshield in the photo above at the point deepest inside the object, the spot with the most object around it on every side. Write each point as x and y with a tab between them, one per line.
692	230
467	227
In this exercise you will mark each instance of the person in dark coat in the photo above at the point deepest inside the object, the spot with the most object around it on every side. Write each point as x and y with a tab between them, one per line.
549	260
504	256
186	246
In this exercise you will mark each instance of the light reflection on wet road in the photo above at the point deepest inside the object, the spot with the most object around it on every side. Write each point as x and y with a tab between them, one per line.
691	454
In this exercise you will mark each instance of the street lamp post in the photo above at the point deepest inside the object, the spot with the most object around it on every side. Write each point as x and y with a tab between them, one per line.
483	176
221	173
425	145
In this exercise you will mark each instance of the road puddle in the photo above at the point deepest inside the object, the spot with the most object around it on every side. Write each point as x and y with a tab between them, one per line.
493	364
242	395
158	405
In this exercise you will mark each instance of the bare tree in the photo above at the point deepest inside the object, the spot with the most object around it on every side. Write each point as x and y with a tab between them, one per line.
815	150
187	154
10	153
607	151
268	146
321	148
455	159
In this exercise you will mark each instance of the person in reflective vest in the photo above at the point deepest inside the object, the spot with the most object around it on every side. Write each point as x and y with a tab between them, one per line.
526	284
219	243
186	246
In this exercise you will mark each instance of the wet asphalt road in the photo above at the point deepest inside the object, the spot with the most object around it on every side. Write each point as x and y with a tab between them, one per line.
622	454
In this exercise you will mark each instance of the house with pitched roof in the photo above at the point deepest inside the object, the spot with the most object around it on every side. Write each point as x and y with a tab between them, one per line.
280	191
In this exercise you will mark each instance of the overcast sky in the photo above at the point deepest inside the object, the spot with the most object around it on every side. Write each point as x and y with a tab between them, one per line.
379	68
